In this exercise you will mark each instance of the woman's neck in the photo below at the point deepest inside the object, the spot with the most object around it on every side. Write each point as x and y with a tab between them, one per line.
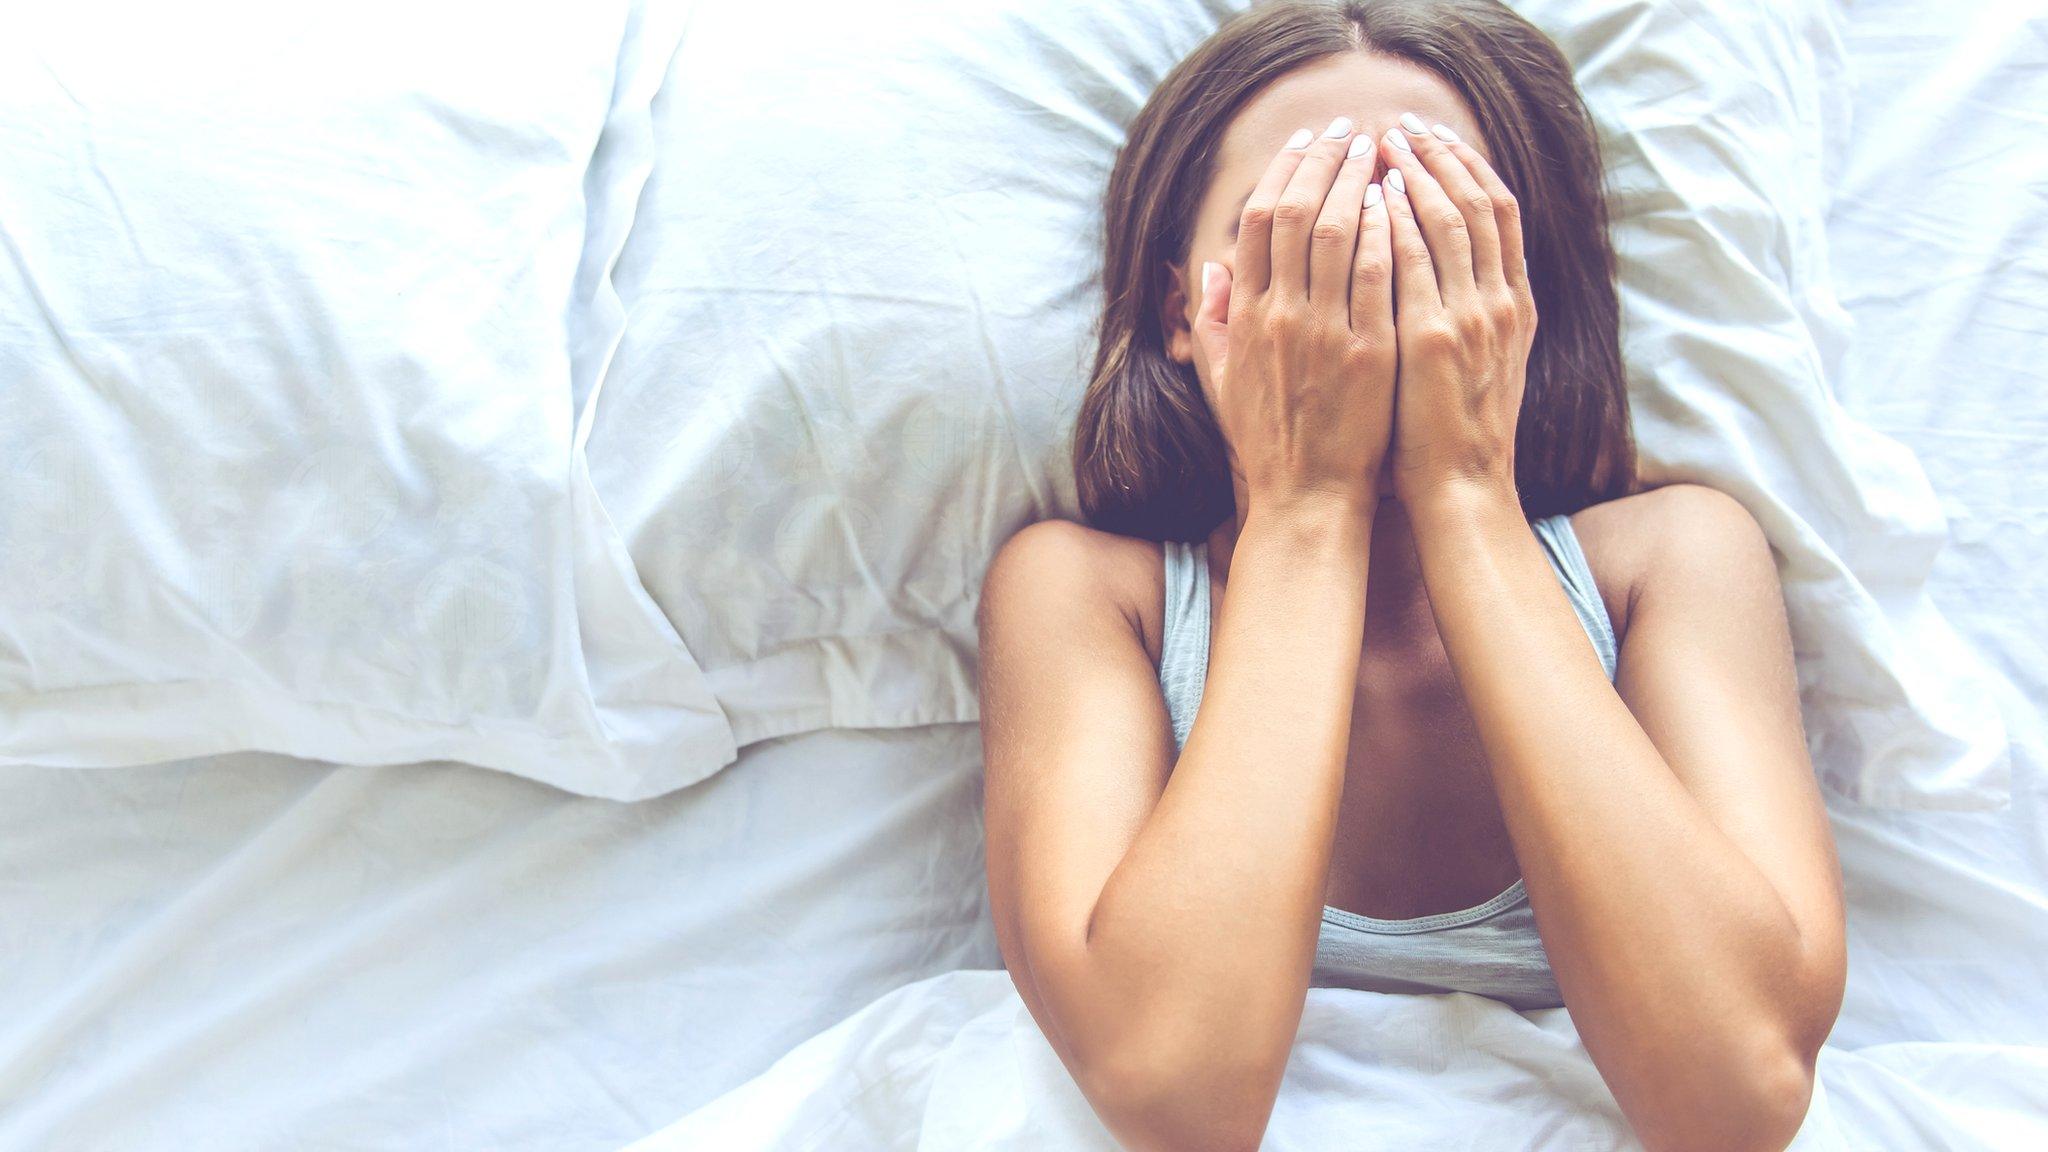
1396	600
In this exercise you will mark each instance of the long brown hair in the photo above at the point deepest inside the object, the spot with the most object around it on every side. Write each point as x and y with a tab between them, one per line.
1149	459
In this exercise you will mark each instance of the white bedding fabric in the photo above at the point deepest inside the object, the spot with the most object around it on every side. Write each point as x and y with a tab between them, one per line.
251	952
956	1063
292	310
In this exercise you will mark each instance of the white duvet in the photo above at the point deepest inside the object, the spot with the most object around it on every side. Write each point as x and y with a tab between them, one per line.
956	1063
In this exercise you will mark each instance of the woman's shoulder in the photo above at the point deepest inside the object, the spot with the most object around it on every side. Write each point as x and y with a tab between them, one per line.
1058	572
1680	537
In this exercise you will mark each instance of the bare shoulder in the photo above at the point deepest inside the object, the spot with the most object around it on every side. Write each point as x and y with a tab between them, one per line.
1068	677
1682	539
1057	574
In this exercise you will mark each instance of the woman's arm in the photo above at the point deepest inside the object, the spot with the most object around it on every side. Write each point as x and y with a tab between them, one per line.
1162	927
1160	918
1669	830
1670	834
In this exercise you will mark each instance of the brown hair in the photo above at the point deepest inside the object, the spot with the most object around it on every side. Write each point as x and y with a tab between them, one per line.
1149	459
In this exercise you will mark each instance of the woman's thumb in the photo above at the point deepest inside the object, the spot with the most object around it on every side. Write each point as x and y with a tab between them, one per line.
1212	319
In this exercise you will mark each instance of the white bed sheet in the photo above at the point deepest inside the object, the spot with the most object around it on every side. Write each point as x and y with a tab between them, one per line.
1939	236
251	952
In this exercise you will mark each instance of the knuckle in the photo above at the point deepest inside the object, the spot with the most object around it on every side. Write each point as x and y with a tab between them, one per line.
1257	216
1330	232
1450	220
1370	271
1436	334
1367	348
1283	317
1293	211
1503	309
1477	199
1507	206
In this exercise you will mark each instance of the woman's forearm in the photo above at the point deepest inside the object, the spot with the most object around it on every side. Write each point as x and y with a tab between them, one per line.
1208	925
1679	959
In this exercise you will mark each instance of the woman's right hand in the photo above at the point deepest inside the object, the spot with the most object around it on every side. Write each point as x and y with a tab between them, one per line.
1300	336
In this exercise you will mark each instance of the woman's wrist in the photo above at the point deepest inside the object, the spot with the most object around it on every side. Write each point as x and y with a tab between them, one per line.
1315	522
1461	502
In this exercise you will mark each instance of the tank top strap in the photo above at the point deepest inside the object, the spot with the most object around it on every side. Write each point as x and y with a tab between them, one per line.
1568	560
1184	634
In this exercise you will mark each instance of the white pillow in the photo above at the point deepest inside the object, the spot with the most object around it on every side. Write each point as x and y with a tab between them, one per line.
861	294
862	291
1720	128
291	329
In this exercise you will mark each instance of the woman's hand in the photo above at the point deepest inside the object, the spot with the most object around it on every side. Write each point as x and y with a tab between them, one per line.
1466	318
1300	337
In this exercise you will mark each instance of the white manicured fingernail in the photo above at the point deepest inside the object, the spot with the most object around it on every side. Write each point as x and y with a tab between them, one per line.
1396	181
1373	195
1341	126
1400	141
1444	133
1208	270
1413	123
1300	138
1359	147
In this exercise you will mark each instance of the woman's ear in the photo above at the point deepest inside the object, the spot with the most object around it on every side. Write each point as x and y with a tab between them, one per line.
1176	313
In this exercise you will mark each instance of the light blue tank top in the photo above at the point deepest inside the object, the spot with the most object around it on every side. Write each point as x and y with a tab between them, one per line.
1490	949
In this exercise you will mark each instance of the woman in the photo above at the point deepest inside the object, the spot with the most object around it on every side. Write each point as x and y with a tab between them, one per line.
1476	716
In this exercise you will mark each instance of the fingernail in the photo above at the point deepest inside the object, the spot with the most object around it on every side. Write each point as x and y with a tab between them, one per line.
1413	123
1444	133
1396	181
1341	126
1400	141
1300	138
1373	195
1359	147
1208	269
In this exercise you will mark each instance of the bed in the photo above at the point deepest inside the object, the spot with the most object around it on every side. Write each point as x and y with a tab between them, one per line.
263	949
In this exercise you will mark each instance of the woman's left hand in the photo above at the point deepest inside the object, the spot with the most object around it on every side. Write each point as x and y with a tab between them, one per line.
1464	318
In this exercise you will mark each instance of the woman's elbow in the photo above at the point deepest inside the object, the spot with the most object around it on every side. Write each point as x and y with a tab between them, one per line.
1782	1093
1759	1109
1154	1099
